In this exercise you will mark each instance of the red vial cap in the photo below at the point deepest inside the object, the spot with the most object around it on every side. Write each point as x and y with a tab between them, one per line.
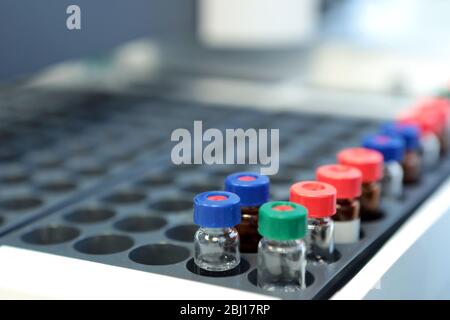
318	197
431	115
369	162
346	179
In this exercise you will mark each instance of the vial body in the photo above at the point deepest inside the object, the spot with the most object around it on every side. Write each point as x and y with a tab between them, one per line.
392	183
281	265
216	249
412	167
370	198
248	230
347	221
320	240
430	150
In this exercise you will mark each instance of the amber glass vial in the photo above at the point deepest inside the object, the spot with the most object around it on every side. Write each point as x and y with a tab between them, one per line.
253	190
347	180
412	160
370	163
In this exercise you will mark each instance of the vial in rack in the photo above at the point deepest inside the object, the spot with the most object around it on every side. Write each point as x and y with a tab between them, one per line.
253	190
392	148
281	260
412	160
216	242
347	181
319	199
370	163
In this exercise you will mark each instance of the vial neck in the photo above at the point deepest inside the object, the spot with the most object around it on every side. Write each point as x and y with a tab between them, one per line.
282	243
216	230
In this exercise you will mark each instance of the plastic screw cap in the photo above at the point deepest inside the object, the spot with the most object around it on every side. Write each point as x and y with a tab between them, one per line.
282	221
347	180
410	133
252	188
391	147
217	209
319	198
369	162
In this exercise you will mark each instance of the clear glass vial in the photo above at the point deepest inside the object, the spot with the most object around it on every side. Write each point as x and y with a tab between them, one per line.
392	148
216	242
347	180
319	198
281	260
370	163
253	190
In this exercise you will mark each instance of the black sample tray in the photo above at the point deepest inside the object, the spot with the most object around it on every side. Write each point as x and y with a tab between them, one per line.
141	216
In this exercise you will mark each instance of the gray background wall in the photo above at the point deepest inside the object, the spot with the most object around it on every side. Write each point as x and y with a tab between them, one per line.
33	33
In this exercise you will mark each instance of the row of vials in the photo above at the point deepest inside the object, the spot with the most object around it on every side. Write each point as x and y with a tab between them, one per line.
287	234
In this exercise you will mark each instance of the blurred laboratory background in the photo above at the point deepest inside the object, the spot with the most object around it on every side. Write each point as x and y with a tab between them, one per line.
220	48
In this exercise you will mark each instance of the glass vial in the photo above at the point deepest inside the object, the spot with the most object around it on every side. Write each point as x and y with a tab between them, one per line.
370	163
412	160
253	190
216	242
393	149
347	181
319	199
281	260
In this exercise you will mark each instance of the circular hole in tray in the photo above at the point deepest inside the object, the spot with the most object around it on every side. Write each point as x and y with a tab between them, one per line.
243	267
140	224
336	256
48	162
157	180
8	155
13	178
372	216
90	215
184	233
20	203
92	170
58	186
53	234
199	187
171	205
223	171
125	197
159	254
104	244
253	275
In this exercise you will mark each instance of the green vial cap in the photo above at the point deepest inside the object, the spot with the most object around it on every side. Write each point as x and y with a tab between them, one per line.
282	220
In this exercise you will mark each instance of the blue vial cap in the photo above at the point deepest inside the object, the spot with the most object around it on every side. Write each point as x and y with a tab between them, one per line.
391	147
252	188
217	209
410	133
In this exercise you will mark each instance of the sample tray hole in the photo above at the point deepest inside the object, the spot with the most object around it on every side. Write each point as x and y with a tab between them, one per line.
159	254
335	257
172	205
58	186
20	203
14	178
48	162
140	224
53	234
125	197
91	170
157	180
104	244
372	216
253	278
243	267
184	233
200	187
90	215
